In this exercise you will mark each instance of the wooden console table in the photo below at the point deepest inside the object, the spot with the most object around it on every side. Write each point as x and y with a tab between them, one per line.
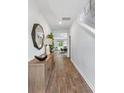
39	73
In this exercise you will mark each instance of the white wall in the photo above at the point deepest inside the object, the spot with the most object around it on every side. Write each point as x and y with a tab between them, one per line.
34	16
83	52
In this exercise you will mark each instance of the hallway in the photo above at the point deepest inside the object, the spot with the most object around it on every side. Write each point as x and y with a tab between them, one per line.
65	78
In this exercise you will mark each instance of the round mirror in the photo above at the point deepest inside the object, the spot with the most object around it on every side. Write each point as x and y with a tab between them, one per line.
37	36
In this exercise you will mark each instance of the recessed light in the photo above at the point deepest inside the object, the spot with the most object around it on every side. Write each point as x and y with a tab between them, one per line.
60	22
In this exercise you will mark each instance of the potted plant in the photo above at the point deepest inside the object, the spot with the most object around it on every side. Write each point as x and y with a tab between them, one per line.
50	36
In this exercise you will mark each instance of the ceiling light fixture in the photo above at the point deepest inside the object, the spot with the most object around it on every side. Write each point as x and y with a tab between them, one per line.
60	22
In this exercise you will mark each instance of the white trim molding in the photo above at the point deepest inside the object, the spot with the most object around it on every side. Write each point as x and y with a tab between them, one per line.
92	30
84	76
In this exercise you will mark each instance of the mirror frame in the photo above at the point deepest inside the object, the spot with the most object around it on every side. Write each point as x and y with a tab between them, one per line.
33	34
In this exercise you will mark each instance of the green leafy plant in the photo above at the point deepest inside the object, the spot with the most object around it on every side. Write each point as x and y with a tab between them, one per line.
50	36
60	43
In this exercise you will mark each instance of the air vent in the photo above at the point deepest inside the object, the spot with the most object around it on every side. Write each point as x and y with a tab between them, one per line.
66	18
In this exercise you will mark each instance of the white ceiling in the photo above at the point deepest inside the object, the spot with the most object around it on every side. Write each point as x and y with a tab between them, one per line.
54	10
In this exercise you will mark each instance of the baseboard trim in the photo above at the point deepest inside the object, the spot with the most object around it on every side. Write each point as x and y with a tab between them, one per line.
84	76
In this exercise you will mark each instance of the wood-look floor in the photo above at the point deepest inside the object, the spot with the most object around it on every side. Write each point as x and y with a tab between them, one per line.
65	78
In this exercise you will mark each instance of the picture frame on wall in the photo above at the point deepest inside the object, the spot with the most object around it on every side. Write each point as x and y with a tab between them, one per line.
92	8
87	8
